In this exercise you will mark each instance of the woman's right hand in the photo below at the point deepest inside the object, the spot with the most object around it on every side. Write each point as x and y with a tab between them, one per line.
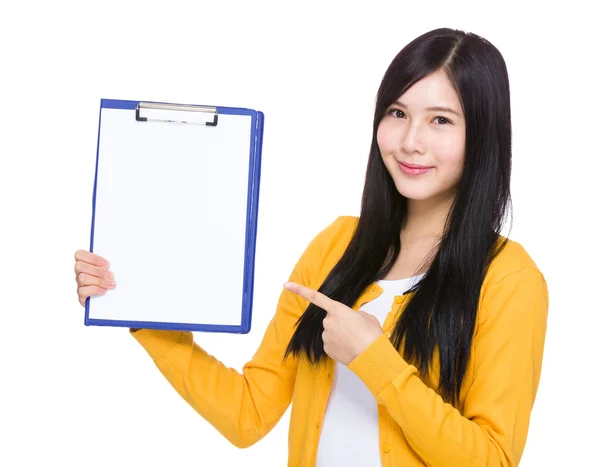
92	275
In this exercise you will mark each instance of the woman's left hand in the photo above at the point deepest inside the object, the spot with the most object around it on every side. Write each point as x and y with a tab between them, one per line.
346	333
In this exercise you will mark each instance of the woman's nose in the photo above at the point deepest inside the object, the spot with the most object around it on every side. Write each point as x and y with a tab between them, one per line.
412	140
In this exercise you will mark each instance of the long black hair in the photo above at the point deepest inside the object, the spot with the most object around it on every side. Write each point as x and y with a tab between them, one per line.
441	314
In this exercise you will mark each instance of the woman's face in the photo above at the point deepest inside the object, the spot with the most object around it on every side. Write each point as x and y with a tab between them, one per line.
421	138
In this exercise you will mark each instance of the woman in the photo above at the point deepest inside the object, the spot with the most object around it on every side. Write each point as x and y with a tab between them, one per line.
412	335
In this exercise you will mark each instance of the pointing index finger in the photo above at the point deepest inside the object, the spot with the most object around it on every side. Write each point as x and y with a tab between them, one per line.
313	296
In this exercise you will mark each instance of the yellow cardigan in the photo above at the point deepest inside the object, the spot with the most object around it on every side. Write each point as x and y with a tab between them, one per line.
416	427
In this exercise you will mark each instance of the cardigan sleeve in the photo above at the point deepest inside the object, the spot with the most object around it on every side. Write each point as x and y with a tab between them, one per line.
507	355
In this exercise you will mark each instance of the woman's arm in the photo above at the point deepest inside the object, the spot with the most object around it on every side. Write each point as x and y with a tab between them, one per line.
244	406
508	349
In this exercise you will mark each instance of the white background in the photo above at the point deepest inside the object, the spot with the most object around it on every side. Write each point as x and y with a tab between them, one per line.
73	395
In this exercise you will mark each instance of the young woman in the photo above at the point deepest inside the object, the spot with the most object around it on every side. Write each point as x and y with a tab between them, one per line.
412	335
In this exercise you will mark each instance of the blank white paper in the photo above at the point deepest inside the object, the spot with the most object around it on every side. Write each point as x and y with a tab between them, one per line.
170	216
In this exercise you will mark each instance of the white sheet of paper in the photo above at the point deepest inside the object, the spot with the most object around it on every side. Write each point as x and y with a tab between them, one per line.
170	216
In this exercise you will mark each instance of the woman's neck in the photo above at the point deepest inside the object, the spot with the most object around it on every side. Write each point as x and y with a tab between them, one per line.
425	221
420	237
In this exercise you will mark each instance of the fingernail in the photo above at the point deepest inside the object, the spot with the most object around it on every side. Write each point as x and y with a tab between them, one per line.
110	284
105	263
109	274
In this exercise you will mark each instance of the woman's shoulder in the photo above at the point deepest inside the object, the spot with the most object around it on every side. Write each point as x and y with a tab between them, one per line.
512	258
328	245
335	236
514	277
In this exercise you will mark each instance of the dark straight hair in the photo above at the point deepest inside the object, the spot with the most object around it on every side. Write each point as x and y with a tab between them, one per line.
441	314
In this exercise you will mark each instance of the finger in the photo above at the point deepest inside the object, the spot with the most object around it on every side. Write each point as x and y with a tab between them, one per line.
326	348
91	258
89	291
97	271
84	279
313	296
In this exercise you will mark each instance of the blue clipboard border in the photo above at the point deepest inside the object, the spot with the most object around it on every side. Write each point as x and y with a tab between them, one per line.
254	172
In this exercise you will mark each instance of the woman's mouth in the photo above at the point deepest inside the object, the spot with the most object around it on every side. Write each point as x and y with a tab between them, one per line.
413	169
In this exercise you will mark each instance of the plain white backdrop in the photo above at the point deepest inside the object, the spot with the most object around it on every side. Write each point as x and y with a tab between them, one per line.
73	395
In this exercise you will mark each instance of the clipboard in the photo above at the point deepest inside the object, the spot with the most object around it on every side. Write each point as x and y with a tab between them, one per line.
174	210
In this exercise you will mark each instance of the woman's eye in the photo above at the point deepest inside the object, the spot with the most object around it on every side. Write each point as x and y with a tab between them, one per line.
397	113
442	120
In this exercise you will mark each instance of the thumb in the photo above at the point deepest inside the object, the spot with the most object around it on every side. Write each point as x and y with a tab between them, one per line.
368	315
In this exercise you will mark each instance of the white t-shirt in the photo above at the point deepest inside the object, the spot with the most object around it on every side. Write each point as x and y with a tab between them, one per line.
350	432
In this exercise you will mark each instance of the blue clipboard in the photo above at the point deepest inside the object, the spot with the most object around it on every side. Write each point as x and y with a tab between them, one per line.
175	210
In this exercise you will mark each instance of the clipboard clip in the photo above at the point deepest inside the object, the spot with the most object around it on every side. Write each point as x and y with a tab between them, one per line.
175	113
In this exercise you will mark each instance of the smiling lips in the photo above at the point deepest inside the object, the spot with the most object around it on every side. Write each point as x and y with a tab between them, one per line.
413	169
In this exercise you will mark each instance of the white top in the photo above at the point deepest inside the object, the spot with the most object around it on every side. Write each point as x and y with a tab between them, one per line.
350	433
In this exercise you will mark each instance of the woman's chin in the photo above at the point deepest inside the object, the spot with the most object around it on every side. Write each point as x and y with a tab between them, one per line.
415	192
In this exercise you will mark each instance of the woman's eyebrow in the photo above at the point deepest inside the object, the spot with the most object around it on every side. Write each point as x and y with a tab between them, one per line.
438	108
